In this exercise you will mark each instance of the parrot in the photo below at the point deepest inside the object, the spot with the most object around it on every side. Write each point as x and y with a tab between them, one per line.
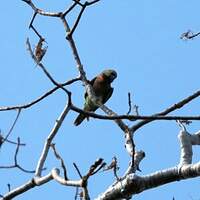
101	85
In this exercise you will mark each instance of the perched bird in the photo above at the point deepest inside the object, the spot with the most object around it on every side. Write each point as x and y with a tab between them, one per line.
102	89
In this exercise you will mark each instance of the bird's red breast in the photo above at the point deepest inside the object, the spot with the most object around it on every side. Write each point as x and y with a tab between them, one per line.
100	78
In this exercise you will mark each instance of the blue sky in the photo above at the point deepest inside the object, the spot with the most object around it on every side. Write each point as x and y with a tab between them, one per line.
141	41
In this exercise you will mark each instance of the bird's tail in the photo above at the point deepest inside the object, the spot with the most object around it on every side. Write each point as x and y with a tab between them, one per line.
79	119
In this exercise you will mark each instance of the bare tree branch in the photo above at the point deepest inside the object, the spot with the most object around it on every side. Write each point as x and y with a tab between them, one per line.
49	139
129	104
130	184
16	165
28	105
12	127
29	185
189	35
80	14
41	12
61	160
78	171
176	106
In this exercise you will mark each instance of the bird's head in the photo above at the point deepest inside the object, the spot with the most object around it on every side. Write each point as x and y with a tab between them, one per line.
110	75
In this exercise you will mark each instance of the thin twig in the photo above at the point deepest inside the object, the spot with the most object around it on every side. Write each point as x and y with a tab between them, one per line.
78	171
15	143
78	2
28	105
113	166
33	18
44	69
40	64
17	150
77	21
136	109
161	115
129	103
69	9
103	164
77	193
31	24
91	2
61	160
16	162
9	188
41	12
12	127
189	35
16	165
95	167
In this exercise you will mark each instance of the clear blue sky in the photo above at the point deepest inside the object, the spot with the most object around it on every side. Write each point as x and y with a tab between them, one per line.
141	41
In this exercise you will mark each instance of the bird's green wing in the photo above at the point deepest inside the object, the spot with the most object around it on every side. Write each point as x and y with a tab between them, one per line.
108	95
91	83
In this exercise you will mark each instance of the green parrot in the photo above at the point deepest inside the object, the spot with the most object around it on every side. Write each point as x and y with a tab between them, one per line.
102	88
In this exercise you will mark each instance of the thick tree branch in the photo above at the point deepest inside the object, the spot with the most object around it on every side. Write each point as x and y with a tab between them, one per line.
29	185
134	184
49	139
